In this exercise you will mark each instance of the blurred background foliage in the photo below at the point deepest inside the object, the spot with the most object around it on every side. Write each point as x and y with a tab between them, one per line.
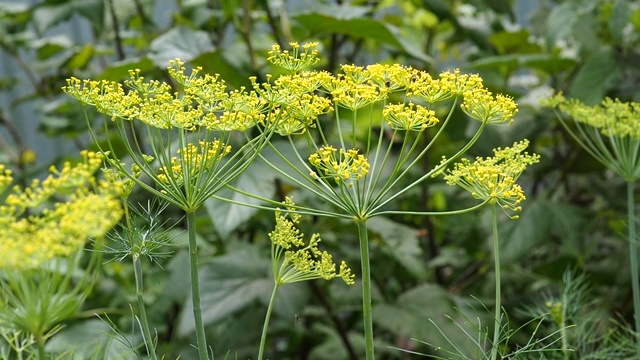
423	268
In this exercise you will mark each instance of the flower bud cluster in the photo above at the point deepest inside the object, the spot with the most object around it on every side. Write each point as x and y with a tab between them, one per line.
494	178
56	216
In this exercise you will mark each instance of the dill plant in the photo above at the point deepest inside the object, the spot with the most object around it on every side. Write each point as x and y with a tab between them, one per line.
44	228
356	173
192	151
197	141
610	132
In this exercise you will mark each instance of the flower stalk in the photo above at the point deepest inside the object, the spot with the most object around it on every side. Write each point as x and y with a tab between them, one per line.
367	315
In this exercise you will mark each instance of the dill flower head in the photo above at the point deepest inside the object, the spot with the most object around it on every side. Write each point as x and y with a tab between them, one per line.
448	85
193	160
354	95
342	165
409	117
6	178
298	58
494	178
394	77
611	117
609	131
204	101
301	261
481	105
35	227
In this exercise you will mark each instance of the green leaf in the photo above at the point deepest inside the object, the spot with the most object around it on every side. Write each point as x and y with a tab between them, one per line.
598	74
234	281
220	62
50	46
81	59
620	15
539	220
507	63
180	42
48	15
259	180
119	71
401	242
411	314
88	339
513	42
351	20
563	17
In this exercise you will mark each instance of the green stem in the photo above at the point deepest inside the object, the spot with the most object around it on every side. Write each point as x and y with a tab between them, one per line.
146	332
633	257
496	259
42	354
366	287
265	326
195	286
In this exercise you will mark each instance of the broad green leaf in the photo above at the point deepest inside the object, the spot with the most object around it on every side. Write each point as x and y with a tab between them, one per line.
412	314
48	15
620	15
52	45
401	242
179	42
564	16
259	180
219	62
88	339
507	63
539	220
350	20
81	58
598	74
119	71
234	281
634	18
332	346
513	42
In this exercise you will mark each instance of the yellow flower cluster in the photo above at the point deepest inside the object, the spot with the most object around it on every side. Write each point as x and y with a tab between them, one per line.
611	117
340	165
35	228
494	178
448	85
6	178
205	102
121	183
352	95
480	104
409	117
295	60
195	159
301	261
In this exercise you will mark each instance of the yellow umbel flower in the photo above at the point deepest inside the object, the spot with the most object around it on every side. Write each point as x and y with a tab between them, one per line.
394	77
6	178
409	117
609	131
301	261
299	58
448	85
340	165
34	228
612	117
352	95
193	160
480	104
494	178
